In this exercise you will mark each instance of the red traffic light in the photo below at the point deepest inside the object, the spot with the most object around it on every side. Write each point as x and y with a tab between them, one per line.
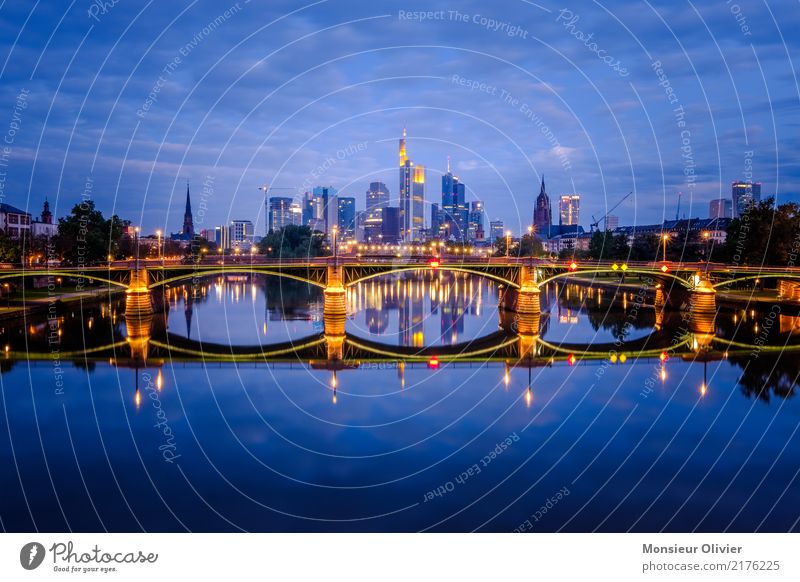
664	356
573	266
434	262
571	359
433	363
664	268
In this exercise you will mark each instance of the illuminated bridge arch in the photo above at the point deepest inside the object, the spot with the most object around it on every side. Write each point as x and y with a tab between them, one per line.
504	275
64	274
785	276
318	280
649	273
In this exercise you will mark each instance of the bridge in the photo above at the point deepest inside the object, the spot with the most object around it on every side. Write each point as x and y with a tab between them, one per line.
690	286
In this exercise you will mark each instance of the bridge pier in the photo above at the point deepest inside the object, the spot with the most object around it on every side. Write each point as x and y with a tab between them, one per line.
702	306
335	302
529	309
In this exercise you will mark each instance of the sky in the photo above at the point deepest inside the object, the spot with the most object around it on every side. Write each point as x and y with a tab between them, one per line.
124	101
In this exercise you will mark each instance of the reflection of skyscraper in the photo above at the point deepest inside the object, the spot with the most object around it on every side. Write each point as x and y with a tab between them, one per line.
569	209
744	194
412	195
542	213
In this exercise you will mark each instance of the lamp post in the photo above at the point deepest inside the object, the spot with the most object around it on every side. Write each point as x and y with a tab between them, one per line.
706	238
508	242
665	238
531	231
136	236
158	244
334	231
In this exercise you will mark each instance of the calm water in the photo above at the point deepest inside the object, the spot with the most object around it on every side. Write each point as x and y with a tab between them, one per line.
100	441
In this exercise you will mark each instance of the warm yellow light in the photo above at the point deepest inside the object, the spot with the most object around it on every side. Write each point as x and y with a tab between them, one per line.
528	397
159	380
138	399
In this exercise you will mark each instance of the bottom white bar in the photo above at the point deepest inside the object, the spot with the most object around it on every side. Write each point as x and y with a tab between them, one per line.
354	557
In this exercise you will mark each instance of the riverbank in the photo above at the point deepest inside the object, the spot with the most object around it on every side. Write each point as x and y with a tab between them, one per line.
40	304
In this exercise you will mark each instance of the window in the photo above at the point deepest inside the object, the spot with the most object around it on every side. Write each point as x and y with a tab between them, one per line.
13	219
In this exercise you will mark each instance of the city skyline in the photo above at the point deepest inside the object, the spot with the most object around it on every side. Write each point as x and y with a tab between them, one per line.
204	106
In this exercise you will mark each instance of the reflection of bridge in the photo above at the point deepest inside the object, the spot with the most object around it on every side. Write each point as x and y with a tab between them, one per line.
692	286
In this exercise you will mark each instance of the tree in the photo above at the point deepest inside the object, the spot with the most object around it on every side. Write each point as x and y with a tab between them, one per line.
764	234
293	242
85	237
9	249
197	248
645	247
607	246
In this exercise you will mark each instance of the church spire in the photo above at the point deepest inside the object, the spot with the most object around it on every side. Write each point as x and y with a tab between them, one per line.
188	223
542	190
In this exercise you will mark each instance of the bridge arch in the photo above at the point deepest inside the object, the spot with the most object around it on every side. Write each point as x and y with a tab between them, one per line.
654	274
245	270
65	274
788	276
445	267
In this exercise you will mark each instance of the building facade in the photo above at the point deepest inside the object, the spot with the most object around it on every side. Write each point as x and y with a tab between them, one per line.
346	217
280	213
721	208
569	209
743	194
542	213
412	195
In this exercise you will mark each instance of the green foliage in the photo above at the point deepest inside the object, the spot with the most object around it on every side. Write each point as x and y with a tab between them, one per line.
645	247
85	237
608	247
765	234
293	242
9	249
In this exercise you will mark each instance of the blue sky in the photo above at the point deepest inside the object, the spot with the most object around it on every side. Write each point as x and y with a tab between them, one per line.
135	98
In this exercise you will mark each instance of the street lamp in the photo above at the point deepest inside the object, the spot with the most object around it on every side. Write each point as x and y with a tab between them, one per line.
136	235
335	230
665	238
508	242
706	237
531	231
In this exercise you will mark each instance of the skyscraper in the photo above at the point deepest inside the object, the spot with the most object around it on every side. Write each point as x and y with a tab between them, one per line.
721	208
611	222
412	195
346	217
377	200
743	194
455	213
542	213
476	221
325	209
496	230
390	225
569	209
280	213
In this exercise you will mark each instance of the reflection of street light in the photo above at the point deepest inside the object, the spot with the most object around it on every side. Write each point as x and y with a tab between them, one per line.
508	242
665	238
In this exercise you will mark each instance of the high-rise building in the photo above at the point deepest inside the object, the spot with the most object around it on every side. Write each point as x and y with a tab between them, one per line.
412	195
361	221
496	230
241	231
325	209
280	213
475	221
436	220
569	209
391	225
308	208
542	213
296	213
743	194
720	208
455	212
611	221
346	217
222	237
377	200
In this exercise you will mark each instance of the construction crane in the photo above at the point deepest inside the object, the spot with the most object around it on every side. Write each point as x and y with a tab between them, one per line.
596	222
678	210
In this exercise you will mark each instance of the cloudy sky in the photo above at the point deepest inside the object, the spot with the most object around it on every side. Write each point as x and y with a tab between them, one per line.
124	101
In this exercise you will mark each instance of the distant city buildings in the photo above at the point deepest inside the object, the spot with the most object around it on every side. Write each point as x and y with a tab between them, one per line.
569	209
391	225
610	222
454	218
743	194
280	213
346	217
720	208
475	230
377	199
496	230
